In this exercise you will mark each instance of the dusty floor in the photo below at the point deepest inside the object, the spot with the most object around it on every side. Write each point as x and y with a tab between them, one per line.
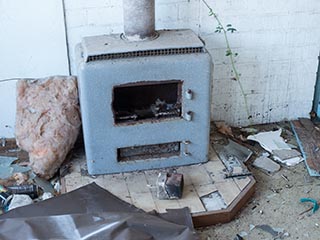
276	203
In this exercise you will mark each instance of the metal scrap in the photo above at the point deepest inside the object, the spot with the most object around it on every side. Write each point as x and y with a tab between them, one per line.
233	155
170	185
277	233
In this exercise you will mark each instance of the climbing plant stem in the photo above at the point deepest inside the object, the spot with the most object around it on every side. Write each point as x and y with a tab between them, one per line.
231	56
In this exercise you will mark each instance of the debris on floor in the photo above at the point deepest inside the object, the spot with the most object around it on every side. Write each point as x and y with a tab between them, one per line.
288	156
233	156
95	214
47	121
8	168
213	201
15	179
13	196
277	233
18	184
272	142
31	190
249	130
233	153
314	202
266	164
308	137
19	200
169	185
238	237
223	128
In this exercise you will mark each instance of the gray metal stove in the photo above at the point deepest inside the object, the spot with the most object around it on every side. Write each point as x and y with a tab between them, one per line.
145	104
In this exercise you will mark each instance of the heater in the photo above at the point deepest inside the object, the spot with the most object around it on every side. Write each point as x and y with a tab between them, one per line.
144	95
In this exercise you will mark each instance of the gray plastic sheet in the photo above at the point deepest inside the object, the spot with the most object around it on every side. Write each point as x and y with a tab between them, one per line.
91	212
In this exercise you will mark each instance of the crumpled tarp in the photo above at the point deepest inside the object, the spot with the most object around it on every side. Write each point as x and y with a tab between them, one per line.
92	212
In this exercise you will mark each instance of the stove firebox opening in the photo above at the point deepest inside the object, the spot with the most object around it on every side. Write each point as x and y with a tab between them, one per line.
142	101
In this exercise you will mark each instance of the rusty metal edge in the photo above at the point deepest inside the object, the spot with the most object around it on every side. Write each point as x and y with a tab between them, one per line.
223	216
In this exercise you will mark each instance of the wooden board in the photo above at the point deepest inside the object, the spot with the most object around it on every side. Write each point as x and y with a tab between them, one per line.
309	140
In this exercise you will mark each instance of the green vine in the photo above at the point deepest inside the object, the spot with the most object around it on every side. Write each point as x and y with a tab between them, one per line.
229	53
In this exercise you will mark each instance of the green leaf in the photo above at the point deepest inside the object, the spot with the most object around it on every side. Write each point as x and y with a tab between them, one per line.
218	29
228	53
231	29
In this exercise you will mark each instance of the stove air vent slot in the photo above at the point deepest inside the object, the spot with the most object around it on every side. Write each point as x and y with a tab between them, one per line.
146	53
145	152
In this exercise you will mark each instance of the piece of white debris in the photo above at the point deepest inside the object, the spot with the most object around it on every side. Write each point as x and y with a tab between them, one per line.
273	143
20	200
46	195
270	141
266	164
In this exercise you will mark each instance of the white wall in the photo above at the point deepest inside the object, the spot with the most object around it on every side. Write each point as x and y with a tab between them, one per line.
278	43
32	44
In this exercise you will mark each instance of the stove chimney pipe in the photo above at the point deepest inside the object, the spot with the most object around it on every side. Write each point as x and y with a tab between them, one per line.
139	20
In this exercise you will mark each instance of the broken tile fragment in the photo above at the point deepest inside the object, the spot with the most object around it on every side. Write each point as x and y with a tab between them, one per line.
213	201
233	155
286	154
266	164
270	141
290	157
275	144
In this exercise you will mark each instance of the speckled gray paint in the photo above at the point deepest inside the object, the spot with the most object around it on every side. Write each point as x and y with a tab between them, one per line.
103	137
138	19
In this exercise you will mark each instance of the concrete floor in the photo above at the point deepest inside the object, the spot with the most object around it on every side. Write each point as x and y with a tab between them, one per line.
276	203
